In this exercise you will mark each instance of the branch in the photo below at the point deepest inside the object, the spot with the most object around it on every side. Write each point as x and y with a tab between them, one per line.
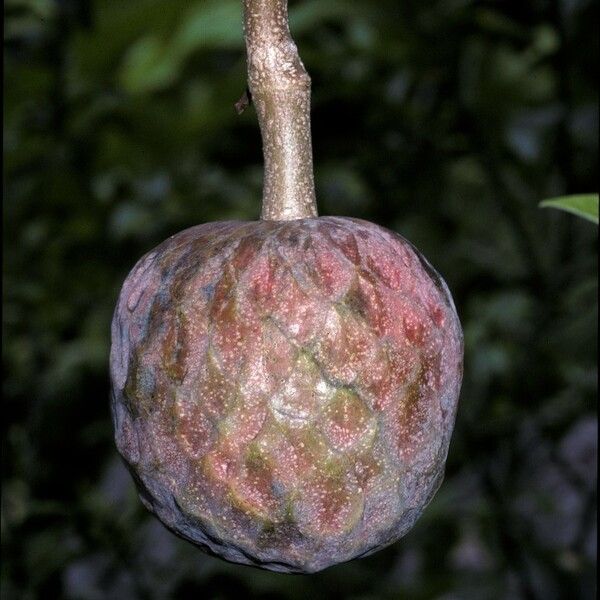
280	89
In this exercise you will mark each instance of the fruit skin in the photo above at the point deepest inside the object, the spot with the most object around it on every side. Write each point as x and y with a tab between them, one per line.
284	392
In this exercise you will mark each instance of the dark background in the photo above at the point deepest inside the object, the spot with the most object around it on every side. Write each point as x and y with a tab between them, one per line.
447	121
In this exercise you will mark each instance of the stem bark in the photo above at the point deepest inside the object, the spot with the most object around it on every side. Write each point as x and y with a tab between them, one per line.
280	88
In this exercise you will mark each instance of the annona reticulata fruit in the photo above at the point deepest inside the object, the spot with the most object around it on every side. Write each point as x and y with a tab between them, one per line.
284	391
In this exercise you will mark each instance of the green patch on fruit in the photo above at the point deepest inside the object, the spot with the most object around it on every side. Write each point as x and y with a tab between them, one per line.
334	469
175	349
140	389
347	422
195	507
255	456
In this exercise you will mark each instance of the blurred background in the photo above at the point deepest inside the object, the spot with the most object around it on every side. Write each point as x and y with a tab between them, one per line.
447	121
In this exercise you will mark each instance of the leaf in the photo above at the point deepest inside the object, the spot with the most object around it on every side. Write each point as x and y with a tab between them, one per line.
306	16
148	65
582	205
154	63
212	25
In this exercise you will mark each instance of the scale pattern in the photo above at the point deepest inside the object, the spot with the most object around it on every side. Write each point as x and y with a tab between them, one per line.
284	392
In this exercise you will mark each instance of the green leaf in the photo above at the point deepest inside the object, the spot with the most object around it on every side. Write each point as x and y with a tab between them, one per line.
582	205
148	65
154	62
212	25
304	17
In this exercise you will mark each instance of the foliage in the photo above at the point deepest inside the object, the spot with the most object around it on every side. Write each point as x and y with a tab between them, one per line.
582	205
445	121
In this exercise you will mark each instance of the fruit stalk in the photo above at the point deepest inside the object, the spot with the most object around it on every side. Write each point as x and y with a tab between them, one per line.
280	89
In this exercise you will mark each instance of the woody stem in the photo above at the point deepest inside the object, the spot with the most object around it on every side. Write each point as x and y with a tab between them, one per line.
280	88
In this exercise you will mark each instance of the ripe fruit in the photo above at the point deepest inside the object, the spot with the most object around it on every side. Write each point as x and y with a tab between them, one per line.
284	390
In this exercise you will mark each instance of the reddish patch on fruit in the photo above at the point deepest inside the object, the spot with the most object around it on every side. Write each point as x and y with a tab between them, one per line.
437	314
220	464
245	252
402	363
387	269
228	332
214	392
279	355
379	383
329	505
415	328
244	421
259	279
345	241
366	469
332	274
194	429
296	313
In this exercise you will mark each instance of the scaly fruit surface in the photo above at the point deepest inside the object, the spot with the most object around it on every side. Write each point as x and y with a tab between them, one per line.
284	392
